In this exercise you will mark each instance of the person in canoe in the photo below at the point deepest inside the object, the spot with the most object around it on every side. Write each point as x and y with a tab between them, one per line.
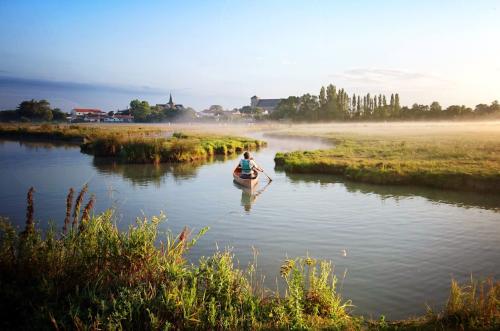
248	167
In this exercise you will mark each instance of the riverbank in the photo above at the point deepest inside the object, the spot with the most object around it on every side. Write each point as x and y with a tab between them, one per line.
91	275
136	144
74	133
450	160
178	148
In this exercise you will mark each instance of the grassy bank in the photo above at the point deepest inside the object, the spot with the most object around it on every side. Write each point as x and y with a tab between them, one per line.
452	161
74	133
178	148
136	144
89	275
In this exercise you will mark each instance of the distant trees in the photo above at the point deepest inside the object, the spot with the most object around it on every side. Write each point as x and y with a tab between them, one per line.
335	104
33	110
143	112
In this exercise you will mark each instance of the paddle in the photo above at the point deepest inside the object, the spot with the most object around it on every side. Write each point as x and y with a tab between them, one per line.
270	179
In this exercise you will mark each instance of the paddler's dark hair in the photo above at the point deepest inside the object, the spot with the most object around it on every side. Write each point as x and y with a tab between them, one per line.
246	155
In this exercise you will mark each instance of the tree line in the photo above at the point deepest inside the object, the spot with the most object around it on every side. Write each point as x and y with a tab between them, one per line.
336	104
33	111
144	112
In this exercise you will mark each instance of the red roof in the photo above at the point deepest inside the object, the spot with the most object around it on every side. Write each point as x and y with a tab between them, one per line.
87	110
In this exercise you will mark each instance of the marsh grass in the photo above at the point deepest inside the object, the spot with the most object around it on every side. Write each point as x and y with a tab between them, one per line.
180	147
468	162
136	144
75	133
97	277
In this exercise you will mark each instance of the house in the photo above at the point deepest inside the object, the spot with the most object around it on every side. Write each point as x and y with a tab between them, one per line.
123	118
170	105
268	105
87	114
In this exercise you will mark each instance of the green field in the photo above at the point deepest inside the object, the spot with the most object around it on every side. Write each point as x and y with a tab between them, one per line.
461	158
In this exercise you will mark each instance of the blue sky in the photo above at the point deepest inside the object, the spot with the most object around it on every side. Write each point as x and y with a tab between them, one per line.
105	53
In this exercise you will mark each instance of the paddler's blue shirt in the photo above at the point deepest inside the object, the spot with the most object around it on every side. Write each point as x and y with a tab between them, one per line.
247	165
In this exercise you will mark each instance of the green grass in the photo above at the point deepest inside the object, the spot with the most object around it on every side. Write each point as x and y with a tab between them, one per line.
467	162
74	133
178	148
136	144
90	276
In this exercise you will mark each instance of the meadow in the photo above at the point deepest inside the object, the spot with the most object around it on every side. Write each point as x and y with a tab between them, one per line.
459	156
89	275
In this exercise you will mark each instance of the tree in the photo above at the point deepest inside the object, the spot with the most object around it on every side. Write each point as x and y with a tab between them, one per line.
58	115
308	107
140	110
35	110
435	109
322	98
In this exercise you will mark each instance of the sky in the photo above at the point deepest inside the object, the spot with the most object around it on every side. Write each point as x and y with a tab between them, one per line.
102	54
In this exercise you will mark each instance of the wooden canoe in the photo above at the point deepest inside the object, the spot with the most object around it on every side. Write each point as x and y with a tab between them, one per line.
244	182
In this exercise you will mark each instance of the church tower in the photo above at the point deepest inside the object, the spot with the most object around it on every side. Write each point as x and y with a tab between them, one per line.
170	103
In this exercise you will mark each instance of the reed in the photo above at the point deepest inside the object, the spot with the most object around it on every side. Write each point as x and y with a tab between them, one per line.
86	212
78	205
69	204
139	279
30	210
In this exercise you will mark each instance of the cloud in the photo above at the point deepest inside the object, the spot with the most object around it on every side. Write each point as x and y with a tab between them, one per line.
18	83
387	77
67	95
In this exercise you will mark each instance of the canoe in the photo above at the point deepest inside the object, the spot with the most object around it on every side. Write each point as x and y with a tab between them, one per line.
244	182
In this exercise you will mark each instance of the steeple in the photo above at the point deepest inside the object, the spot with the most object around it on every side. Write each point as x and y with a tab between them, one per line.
170	102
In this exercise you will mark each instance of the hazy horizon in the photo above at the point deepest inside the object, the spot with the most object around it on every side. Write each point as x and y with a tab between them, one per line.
103	55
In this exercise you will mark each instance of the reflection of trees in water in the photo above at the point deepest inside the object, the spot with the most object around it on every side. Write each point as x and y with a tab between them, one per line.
458	198
36	145
144	174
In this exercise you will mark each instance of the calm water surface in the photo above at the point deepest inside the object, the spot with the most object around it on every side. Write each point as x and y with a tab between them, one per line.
402	244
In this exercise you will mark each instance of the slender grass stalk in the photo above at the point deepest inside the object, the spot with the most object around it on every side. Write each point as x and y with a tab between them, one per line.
78	204
69	204
30	210
86	212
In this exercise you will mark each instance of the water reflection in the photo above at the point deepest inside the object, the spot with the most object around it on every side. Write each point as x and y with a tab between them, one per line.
249	195
457	198
38	144
145	174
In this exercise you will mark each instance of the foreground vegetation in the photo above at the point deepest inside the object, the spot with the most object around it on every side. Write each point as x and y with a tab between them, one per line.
89	275
135	144
462	161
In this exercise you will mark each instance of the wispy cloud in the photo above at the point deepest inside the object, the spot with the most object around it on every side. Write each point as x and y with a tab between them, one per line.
387	77
28	83
67	94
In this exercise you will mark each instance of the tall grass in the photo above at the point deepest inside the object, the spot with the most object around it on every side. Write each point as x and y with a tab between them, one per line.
135	144
178	148
442	162
74	133
94	276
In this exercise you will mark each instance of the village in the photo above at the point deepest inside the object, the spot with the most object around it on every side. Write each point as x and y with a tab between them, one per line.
257	109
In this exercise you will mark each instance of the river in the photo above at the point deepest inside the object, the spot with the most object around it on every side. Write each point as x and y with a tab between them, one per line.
394	248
